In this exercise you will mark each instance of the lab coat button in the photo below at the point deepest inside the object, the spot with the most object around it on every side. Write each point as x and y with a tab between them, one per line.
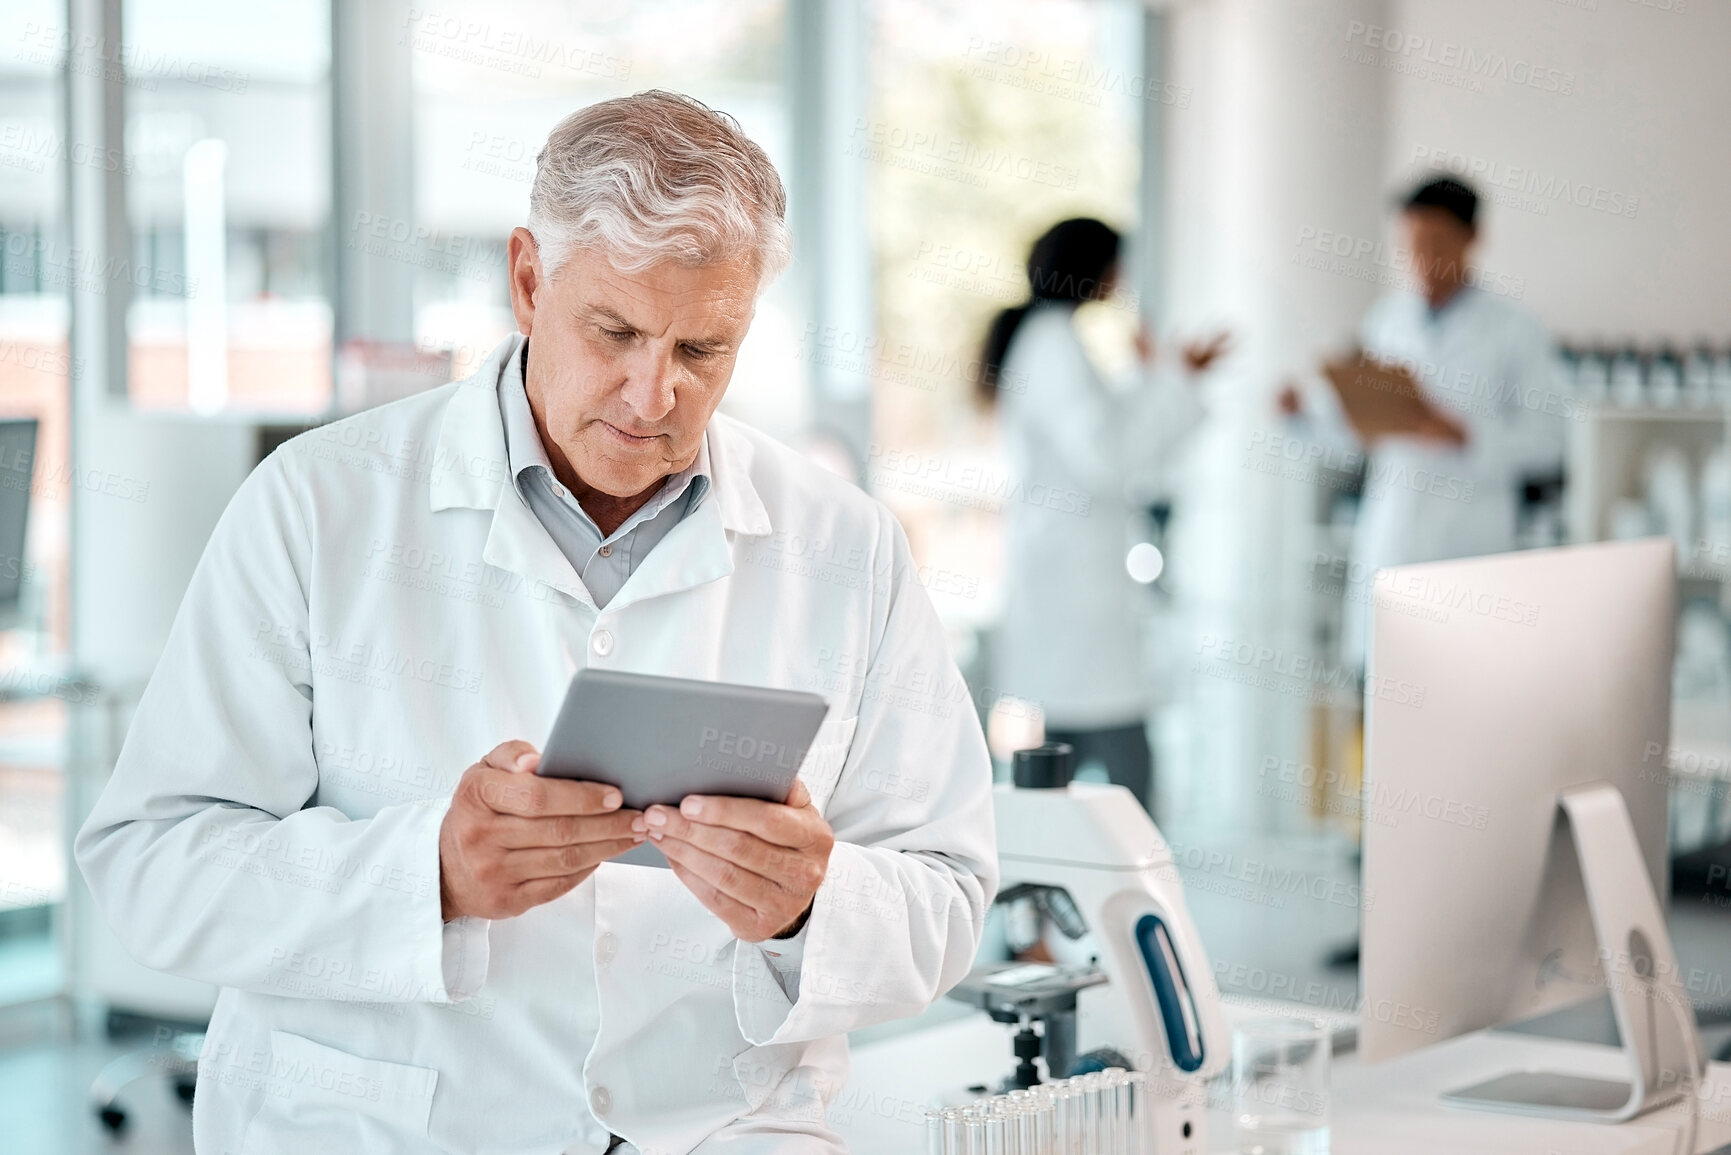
600	1101
606	947
602	642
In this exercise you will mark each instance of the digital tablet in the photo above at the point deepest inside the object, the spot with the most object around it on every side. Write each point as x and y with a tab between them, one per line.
660	739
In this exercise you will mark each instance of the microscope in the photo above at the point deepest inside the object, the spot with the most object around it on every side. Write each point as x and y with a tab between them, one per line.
1089	858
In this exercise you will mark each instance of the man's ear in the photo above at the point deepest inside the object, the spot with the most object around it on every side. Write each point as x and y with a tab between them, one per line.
523	260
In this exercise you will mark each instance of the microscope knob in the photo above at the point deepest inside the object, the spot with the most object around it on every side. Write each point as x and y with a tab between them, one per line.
1027	1048
1048	767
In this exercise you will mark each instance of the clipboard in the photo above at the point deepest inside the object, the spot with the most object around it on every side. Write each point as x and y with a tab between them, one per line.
1380	399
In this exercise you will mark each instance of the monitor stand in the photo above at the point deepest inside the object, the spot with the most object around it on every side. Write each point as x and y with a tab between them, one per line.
1654	1017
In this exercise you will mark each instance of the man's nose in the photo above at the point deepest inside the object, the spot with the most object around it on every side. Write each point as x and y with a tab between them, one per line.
649	383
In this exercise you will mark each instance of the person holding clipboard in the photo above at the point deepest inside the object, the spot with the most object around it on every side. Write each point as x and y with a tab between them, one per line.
1454	395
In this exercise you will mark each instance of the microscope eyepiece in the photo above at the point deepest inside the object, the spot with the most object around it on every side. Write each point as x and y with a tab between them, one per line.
1047	767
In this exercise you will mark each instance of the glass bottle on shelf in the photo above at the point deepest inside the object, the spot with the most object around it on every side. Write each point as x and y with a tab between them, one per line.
1593	375
1628	380
1665	379
1722	376
1698	377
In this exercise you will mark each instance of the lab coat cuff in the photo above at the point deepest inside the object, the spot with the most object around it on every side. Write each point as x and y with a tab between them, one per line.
766	982
464	961
760	1002
807	1006
459	966
785	957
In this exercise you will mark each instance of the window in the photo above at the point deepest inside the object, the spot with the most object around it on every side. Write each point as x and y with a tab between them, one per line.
492	79
35	384
228	190
989	121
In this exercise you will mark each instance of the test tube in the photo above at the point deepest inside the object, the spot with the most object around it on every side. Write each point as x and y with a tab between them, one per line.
935	1132
1129	1109
1106	1111
973	1130
1069	1124
1110	1080
944	1129
987	1127
1088	1091
1091	1112
1017	1117
1023	1108
999	1116
1138	1128
1043	1109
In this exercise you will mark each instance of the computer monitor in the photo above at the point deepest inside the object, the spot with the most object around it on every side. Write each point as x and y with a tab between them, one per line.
17	467
1517	712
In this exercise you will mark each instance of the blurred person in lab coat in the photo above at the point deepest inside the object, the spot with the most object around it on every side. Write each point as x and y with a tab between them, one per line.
326	803
1071	640
1449	483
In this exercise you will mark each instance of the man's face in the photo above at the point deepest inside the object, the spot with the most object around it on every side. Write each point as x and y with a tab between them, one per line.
625	369
1438	242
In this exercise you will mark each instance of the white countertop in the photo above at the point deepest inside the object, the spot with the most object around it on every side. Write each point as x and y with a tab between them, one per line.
1384	1109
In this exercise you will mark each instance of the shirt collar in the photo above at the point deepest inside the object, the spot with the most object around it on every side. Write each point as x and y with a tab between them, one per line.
525	452
1449	307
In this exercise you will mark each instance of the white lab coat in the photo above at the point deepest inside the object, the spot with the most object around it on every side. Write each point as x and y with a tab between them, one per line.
1071	638
1489	364
374	612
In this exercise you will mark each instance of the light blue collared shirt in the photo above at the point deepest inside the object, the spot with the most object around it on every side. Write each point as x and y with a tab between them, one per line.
602	562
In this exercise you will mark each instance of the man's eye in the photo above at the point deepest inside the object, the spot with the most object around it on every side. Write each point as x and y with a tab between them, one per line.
617	334
697	354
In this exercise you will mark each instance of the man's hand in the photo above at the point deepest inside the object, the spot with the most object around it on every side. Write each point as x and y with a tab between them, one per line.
1144	343
754	865
1199	354
511	840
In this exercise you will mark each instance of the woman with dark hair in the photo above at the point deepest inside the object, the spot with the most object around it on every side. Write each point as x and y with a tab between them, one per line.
1071	640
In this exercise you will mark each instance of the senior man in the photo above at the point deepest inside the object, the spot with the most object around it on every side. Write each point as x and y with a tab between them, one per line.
420	958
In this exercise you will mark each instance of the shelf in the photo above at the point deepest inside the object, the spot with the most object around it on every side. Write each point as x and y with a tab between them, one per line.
1652	413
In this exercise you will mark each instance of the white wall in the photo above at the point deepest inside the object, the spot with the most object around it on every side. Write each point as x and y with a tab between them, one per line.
1648	117
152	489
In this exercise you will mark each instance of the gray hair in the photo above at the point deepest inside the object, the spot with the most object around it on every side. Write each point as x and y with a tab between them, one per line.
654	177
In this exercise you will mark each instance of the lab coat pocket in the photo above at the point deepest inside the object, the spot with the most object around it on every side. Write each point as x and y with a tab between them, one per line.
823	763
318	1097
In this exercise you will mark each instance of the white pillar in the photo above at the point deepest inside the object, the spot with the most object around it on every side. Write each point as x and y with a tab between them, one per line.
1282	134
372	118
828	96
206	233
1148	257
